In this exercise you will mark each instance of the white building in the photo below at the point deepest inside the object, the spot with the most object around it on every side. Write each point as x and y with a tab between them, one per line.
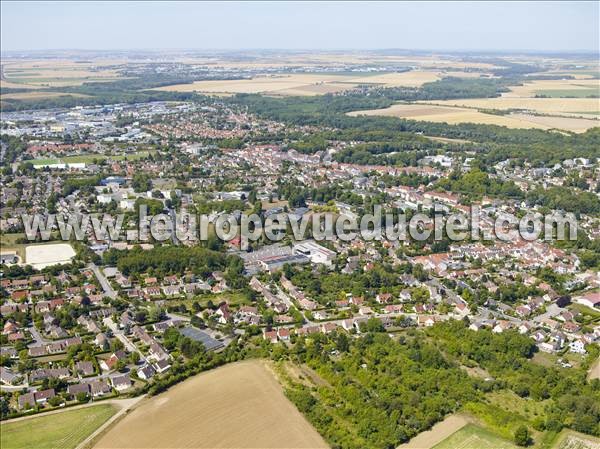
316	253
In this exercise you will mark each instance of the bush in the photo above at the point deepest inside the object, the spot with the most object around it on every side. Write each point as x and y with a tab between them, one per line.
522	437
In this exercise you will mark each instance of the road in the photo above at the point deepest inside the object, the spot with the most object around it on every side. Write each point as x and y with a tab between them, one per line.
123	338
37	336
485	313
175	316
108	290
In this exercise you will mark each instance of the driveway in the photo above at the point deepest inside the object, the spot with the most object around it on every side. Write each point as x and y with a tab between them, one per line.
123	338
108	290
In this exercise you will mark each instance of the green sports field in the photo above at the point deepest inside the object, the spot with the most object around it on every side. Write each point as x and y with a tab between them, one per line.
64	430
474	437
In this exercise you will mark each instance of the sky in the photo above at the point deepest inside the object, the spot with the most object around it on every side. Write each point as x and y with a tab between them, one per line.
536	25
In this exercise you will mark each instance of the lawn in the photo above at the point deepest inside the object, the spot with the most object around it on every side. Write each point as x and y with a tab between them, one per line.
474	437
90	158
8	242
513	403
64	430
591	313
569	93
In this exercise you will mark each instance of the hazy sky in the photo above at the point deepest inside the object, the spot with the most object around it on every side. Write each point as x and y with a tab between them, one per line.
537	25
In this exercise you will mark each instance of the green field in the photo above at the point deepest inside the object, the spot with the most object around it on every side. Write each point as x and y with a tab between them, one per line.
90	158
474	437
64	430
569	93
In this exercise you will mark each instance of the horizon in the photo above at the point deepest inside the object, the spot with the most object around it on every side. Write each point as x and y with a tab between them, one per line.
556	27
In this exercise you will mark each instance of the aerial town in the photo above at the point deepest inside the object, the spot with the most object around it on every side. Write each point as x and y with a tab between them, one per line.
507	331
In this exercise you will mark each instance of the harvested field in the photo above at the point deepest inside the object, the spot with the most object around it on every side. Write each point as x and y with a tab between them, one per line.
42	256
437	433
240	405
306	84
33	73
472	436
578	125
557	106
270	84
569	439
413	78
444	114
63	430
453	114
555	88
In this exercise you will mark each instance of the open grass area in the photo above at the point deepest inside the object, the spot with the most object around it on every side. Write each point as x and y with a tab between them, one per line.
569	93
91	158
511	402
39	95
8	242
472	436
64	430
592	314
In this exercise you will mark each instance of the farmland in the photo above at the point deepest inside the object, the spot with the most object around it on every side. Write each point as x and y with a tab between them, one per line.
472	436
438	433
197	413
65	430
569	439
453	112
579	107
306	84
556	88
37	95
34	74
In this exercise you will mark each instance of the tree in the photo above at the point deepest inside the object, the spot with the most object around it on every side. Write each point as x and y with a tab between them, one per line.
55	401
82	397
522	436
134	357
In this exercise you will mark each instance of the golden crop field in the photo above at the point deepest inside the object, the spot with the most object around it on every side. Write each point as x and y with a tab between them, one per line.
240	405
414	78
570	107
453	115
550	87
34	74
306	84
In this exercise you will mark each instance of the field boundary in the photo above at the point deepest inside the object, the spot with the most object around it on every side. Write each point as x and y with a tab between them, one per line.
439	432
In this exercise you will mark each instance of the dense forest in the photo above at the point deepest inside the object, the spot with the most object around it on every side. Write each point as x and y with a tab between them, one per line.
165	260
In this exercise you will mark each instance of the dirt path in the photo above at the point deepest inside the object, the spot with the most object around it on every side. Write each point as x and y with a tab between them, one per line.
437	433
126	405
594	372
